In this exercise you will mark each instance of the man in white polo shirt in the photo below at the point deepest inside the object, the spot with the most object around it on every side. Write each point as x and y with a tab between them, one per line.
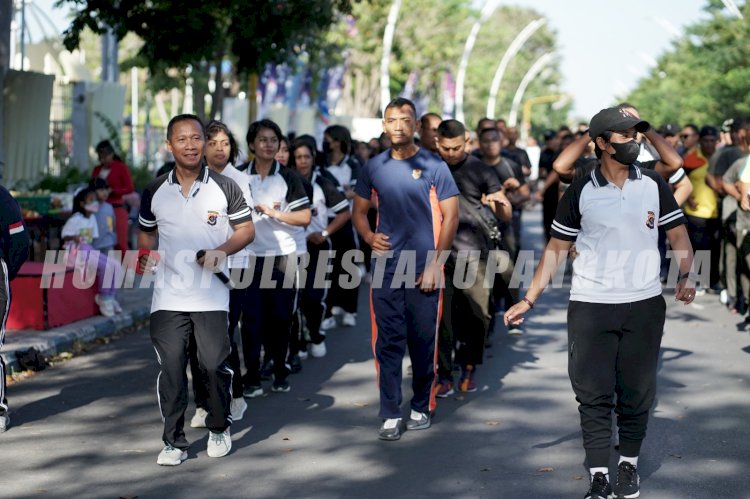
190	209
616	313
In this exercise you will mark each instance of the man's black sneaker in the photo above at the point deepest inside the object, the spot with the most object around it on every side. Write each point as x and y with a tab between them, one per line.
600	488
295	364
266	372
628	482
390	430
280	387
420	423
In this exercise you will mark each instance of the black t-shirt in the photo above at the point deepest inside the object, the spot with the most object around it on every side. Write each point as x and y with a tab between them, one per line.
507	168
518	155
473	179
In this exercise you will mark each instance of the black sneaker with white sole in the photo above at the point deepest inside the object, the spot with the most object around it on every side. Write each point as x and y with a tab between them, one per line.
628	483
280	387
390	429
600	488
421	423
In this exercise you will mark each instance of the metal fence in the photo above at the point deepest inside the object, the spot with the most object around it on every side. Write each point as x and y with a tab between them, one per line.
140	146
60	128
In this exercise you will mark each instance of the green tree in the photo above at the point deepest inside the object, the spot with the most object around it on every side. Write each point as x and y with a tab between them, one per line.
705	77
201	35
430	38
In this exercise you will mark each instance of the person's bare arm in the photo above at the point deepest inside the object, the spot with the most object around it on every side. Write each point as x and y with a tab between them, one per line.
377	241
430	279
299	218
682	190
679	241
564	164
715	183
670	160
500	205
555	253
243	234
338	221
744	200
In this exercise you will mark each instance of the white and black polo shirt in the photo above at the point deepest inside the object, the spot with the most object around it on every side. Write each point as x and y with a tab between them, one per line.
240	259
616	233
282	190
187	225
326	197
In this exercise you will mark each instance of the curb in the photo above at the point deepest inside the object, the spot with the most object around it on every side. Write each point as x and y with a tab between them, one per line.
61	339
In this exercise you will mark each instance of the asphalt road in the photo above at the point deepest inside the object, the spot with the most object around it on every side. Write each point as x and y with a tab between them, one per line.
90	427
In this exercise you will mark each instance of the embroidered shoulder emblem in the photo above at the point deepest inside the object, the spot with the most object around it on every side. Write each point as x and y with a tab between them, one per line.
650	220
213	216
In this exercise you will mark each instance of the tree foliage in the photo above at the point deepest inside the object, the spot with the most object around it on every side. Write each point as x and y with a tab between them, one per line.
705	77
429	39
190	37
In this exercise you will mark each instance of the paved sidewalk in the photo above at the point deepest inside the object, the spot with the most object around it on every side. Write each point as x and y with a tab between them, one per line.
136	304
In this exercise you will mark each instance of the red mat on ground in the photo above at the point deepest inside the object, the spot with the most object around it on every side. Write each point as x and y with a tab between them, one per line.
34	307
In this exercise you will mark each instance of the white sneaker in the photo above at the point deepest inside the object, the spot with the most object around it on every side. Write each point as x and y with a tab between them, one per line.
336	310
117	306
238	408
318	350
199	419
724	297
328	323
106	307
302	354
349	320
219	444
4	422
170	456
252	391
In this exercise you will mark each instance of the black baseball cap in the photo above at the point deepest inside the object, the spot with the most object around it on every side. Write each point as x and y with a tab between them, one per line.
615	119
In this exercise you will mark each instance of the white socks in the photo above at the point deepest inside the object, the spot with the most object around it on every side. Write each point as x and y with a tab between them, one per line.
603	469
416	416
593	471
391	423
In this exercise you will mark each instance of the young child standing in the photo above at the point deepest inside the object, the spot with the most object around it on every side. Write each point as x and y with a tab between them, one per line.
79	234
105	222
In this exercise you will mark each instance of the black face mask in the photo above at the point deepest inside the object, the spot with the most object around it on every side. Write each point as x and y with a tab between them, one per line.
627	152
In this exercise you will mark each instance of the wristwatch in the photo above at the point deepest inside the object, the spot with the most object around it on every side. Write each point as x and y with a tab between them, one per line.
324	233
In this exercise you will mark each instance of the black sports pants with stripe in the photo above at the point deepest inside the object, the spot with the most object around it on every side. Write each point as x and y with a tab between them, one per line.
171	333
4	310
613	349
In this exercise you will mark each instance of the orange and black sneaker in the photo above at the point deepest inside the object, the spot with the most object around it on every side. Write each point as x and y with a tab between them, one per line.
467	383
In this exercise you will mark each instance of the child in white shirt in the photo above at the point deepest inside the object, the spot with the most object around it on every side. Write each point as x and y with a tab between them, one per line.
79	233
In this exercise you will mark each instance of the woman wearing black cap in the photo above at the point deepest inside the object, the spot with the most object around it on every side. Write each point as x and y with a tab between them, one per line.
616	312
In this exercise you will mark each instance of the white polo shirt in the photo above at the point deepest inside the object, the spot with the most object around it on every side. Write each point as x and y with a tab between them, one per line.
281	190
326	197
616	233
187	225
240	259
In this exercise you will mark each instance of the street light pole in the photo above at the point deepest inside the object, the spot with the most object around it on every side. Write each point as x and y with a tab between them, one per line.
532	73
510	53
487	10
385	74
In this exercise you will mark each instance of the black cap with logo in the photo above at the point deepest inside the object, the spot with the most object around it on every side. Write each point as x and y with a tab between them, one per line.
615	119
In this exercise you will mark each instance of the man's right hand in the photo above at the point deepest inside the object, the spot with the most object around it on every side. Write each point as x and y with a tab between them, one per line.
146	262
378	242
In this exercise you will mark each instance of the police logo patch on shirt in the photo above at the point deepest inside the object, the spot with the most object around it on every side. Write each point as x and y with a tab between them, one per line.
650	220
213	216
416	174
